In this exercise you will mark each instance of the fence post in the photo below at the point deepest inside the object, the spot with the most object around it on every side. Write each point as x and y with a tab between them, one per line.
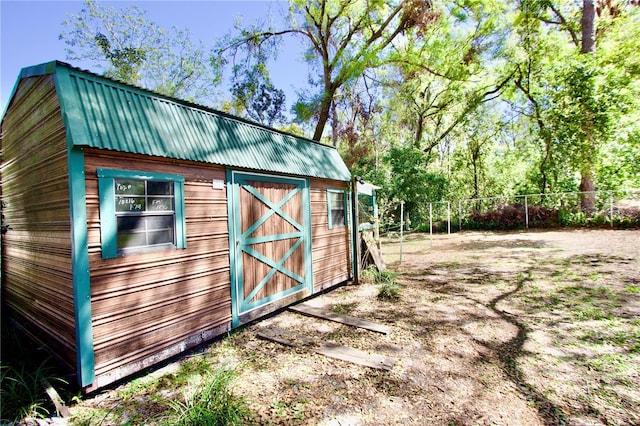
430	220
526	212
611	207
460	215
401	227
449	217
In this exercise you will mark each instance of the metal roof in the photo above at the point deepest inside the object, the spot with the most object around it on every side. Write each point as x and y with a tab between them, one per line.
106	114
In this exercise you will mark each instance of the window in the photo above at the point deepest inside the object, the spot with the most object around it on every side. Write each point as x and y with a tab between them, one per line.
336	205
140	212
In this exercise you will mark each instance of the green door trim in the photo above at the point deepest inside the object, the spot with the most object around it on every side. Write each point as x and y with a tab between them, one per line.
240	242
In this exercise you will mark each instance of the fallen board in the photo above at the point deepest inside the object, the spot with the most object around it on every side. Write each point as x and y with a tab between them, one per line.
343	319
55	398
370	250
332	350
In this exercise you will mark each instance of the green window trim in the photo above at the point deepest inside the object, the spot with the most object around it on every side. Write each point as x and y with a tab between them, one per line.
108	217
333	210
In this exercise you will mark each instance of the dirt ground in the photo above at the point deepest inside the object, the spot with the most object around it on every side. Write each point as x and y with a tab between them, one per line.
530	328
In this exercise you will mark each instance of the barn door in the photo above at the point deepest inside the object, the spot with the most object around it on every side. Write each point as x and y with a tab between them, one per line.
270	223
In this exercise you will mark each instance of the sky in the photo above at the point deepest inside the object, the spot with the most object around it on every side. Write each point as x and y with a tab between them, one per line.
29	33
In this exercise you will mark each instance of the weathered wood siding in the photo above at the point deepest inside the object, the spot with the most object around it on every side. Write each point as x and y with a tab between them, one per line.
330	247
147	307
251	210
36	251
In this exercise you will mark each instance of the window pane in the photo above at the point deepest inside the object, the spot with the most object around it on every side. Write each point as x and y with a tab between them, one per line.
130	204
159	188
129	187
159	222
337	208
160	204
131	224
160	237
131	240
337	217
337	200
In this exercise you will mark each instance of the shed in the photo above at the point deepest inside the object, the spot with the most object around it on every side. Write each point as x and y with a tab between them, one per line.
136	225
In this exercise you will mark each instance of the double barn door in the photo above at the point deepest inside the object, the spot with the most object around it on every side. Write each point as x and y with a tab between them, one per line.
270	233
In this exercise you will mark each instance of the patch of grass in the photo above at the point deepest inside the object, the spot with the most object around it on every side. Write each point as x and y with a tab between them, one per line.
609	362
632	289
592	313
389	291
142	385
23	394
389	288
212	403
342	308
23	368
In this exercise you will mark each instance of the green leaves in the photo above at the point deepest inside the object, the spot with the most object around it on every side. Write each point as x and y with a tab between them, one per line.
130	48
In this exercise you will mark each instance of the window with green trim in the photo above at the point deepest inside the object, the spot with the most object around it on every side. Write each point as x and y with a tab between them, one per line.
336	206
140	211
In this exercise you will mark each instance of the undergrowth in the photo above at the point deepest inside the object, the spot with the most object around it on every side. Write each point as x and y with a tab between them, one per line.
211	403
388	289
24	368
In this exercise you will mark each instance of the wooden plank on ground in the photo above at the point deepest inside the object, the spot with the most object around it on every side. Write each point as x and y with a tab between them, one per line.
332	350
55	398
305	309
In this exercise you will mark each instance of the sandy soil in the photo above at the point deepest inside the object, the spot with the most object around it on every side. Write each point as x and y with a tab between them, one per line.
535	328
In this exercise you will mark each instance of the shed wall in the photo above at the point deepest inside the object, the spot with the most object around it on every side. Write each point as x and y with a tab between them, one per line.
36	250
148	307
331	248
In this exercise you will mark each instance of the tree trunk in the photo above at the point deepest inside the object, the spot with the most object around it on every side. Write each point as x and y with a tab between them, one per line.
587	187
588	27
323	116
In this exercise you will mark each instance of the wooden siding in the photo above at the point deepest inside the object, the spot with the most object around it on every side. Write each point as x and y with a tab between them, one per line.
330	247
149	306
36	251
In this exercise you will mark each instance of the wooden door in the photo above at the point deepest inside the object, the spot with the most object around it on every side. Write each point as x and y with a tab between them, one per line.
270	227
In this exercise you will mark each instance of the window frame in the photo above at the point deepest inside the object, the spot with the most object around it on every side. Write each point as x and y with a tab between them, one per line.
108	216
343	192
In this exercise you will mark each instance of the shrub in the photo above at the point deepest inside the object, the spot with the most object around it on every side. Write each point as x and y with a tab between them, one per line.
389	291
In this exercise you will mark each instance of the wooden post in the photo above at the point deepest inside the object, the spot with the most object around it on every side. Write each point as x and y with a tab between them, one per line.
401	227
356	231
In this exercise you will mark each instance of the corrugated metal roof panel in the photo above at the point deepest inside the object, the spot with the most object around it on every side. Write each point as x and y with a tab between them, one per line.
120	117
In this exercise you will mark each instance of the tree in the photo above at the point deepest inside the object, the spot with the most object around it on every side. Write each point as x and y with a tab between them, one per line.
130	48
256	95
447	74
343	38
575	97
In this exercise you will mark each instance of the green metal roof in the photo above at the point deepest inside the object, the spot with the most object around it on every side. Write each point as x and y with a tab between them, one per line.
103	113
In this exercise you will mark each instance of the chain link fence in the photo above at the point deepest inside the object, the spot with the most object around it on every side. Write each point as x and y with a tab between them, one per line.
618	209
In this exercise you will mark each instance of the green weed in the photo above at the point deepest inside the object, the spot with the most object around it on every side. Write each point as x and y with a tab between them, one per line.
342	308
389	289
592	313
211	404
23	369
